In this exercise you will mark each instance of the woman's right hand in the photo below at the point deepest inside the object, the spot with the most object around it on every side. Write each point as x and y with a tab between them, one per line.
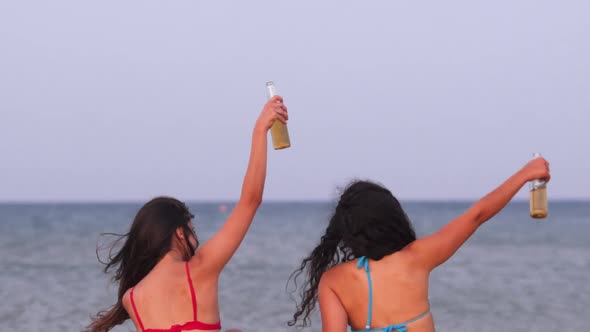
435	249
535	169
272	111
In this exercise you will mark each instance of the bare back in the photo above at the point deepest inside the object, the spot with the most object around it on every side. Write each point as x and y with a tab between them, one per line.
400	292
163	298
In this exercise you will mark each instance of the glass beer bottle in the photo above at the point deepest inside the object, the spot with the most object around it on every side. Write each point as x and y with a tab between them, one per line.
278	131
538	196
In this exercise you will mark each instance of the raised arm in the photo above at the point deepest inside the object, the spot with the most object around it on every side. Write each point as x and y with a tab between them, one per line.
216	252
435	249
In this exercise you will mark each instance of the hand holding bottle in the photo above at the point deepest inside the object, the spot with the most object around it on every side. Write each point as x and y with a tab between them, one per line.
278	131
537	169
273	111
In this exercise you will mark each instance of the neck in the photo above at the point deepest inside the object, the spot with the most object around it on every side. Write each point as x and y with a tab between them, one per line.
173	255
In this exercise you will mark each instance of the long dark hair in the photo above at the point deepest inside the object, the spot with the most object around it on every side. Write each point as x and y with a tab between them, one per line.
368	221
148	240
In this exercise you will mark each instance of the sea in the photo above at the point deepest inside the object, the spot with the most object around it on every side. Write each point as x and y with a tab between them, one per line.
514	274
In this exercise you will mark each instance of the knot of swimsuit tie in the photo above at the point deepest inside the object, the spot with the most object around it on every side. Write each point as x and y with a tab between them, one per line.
364	262
397	328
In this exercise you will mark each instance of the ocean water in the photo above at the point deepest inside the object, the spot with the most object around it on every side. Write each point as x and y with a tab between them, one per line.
515	273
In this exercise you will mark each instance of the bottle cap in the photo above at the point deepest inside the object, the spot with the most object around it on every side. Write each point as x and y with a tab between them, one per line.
271	89
537	184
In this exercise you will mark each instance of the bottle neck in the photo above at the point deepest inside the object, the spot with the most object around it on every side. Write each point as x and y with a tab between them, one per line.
538	184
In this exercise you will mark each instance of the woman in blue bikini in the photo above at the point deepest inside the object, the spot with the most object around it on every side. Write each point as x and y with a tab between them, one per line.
370	272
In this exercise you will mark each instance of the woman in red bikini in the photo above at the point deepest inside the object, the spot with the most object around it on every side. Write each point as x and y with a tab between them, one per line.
165	283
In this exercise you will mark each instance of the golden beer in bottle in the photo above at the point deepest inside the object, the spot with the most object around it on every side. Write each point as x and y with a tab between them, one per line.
538	196
278	131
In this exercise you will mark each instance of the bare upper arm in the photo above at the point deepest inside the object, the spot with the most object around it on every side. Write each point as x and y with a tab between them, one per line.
435	249
214	254
334	317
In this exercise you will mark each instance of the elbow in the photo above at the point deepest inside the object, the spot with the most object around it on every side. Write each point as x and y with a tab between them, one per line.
478	214
253	200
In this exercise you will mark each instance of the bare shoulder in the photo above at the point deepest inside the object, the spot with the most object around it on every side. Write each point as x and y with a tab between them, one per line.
333	279
339	272
199	269
195	261
410	251
128	306
410	254
126	300
328	276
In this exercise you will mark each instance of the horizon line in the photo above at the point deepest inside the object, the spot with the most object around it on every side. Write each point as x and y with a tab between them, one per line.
233	201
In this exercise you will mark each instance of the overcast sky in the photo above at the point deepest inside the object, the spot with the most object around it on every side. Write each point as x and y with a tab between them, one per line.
125	100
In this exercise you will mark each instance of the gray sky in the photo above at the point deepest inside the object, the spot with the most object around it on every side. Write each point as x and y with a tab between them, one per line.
115	100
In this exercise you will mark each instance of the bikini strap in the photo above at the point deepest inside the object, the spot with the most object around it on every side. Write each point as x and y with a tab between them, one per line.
418	317
135	310
364	262
193	297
